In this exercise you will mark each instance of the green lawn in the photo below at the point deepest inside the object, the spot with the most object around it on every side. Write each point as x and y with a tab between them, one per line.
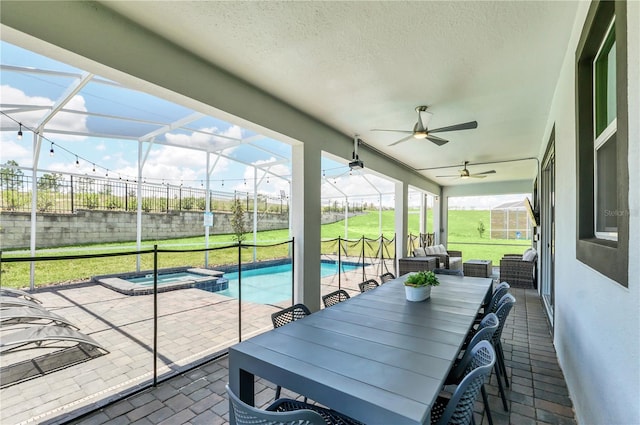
463	236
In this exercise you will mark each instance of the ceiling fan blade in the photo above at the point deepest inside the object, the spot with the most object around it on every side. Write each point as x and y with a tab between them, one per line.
464	126
476	176
395	131
437	140
485	172
450	175
404	139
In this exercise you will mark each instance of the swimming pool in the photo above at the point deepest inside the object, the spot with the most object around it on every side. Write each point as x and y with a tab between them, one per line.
272	284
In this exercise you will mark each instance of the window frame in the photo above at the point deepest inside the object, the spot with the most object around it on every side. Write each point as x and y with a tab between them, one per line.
609	257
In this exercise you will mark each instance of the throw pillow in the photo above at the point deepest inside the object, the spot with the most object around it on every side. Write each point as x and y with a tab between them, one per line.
529	255
419	252
441	249
430	250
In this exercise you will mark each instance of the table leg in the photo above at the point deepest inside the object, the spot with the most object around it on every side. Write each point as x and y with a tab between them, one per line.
241	381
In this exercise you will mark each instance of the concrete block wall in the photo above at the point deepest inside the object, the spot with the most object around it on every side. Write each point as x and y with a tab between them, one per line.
89	226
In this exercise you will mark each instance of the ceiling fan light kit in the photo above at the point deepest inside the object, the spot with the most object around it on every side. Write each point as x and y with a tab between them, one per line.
420	130
465	174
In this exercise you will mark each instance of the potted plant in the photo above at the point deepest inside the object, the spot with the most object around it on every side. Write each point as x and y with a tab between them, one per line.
418	286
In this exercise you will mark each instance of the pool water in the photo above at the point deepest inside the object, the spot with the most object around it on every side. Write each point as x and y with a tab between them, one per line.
272	284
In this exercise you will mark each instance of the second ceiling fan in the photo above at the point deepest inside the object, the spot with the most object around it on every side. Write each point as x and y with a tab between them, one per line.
420	130
465	174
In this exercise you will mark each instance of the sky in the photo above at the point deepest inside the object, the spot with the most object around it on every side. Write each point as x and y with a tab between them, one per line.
103	121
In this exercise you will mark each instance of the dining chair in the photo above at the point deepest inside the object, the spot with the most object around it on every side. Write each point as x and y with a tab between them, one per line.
335	297
500	291
288	315
458	410
504	307
368	285
461	367
241	413
386	277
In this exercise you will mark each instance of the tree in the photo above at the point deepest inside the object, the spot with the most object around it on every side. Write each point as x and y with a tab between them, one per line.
480	228
237	221
50	182
11	176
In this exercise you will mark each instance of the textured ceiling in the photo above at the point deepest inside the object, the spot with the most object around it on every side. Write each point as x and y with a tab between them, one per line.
362	65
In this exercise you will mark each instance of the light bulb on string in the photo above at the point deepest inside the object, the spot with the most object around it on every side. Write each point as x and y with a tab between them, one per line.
94	168
77	162
20	131
106	174
51	152
222	183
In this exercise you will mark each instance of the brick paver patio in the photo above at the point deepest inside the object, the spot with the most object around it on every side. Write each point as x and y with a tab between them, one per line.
537	395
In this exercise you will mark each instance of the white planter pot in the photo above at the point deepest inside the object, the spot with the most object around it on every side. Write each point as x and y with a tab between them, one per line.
417	293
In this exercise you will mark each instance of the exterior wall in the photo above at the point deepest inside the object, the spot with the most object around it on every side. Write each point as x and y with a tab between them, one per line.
87	226
596	320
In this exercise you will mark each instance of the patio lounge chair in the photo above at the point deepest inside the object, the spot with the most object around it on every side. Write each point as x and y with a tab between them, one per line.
31	315
11	292
41	334
8	301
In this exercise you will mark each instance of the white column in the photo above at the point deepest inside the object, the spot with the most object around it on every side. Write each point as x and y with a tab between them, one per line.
37	142
255	210
207	210
401	218
306	218
139	206
423	213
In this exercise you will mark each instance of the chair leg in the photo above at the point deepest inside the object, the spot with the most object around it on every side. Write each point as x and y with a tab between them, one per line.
501	361
504	398
485	399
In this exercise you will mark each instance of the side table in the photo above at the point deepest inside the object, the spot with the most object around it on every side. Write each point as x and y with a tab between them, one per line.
477	268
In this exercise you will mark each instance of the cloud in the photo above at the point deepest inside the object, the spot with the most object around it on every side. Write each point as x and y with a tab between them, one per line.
20	152
61	121
205	141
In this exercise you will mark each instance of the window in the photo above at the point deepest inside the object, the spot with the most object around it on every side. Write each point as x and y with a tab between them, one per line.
604	88
602	142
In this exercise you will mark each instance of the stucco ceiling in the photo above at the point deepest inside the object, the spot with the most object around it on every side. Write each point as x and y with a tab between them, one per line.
357	66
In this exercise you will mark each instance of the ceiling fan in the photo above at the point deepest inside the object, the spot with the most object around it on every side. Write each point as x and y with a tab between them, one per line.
465	174
420	130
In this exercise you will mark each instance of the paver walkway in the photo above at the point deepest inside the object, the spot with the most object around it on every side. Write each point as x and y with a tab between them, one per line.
537	394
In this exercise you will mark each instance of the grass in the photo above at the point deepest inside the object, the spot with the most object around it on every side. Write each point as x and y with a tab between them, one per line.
463	236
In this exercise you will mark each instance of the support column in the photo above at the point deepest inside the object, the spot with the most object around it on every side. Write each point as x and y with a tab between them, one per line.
401	218
305	225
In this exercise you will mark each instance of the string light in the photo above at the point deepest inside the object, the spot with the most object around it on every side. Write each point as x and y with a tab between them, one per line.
94	167
20	131
51	152
77	162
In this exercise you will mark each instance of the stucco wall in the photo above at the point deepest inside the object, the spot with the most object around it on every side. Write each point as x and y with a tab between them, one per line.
597	321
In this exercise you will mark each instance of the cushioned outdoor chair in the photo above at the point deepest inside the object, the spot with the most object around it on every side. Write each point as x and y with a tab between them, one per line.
386	277
519	270
335	297
458	410
447	259
368	285
288	315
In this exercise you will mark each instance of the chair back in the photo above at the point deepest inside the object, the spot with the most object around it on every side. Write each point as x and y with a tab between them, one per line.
241	413
289	314
368	285
386	277
500	291
335	297
504	307
486	329
459	409
448	272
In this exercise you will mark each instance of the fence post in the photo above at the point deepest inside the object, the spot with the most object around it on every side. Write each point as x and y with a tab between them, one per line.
339	262
364	275
293	270
180	199
239	290
155	315
126	197
72	203
167	199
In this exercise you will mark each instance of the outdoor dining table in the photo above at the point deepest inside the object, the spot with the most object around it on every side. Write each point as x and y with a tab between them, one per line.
375	357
